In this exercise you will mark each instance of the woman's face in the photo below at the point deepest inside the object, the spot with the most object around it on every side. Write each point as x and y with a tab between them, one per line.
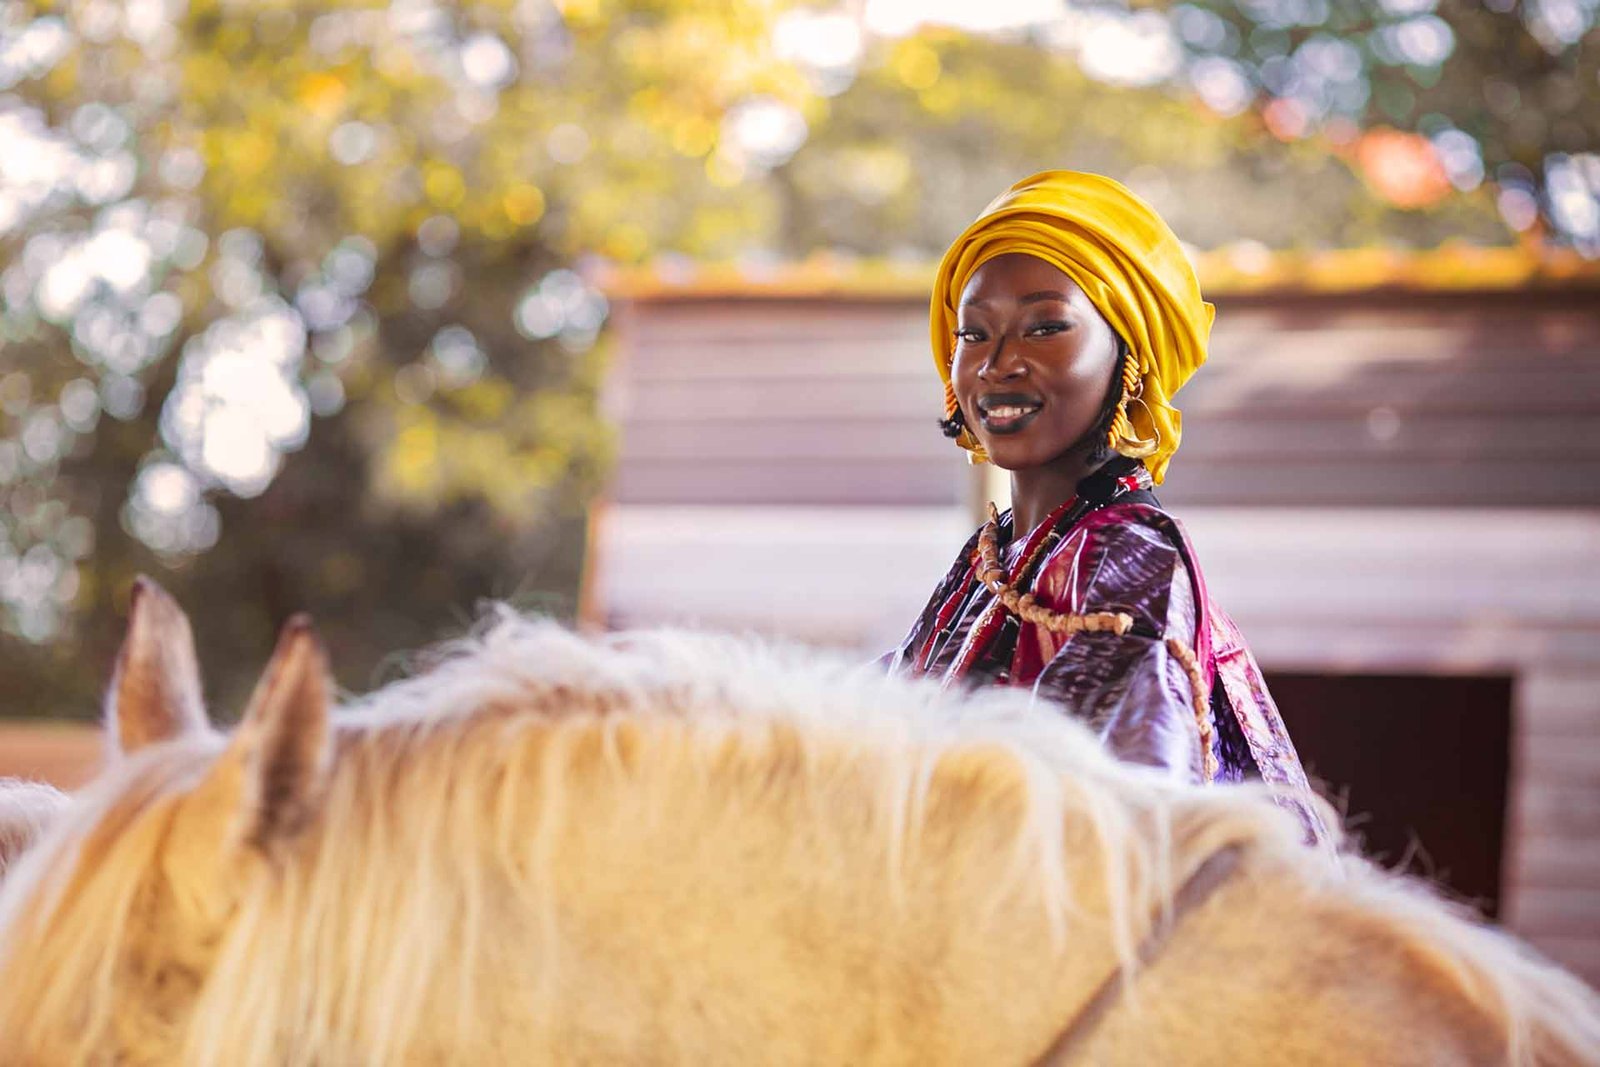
1033	361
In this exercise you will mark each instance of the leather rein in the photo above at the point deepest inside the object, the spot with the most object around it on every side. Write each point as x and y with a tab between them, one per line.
1206	880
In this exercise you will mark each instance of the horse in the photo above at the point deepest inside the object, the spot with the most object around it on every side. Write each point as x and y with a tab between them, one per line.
673	848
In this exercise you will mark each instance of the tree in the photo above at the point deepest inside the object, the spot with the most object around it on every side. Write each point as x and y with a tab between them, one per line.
298	275
935	124
1501	92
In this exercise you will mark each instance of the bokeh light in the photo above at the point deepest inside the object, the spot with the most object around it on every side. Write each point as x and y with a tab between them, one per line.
238	404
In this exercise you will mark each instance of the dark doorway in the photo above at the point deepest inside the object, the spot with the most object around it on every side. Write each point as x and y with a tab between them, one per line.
1418	764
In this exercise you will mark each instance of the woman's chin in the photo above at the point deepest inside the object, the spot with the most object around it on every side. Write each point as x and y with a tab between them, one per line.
1011	455
1026	451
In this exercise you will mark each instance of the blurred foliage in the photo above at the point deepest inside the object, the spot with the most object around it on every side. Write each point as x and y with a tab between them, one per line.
298	301
988	111
1502	90
294	276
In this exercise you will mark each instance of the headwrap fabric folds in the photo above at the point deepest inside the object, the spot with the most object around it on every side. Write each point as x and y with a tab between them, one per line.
1127	261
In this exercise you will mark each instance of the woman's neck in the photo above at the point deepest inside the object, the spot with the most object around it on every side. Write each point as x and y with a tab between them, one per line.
1037	491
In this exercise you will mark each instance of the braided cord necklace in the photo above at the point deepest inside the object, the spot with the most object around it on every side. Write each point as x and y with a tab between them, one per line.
1094	493
956	607
1022	607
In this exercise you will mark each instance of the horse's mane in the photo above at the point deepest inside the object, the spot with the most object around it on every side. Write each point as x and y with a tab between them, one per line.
453	788
26	809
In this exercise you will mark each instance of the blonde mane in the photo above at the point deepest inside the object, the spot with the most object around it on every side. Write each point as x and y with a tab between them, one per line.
529	774
26	808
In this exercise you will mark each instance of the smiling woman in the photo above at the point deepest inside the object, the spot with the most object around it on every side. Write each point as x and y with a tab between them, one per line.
1035	363
1063	320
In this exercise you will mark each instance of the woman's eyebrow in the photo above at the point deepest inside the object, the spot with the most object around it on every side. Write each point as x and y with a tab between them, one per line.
1031	298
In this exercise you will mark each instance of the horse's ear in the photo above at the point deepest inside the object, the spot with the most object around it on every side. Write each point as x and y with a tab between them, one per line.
281	751
155	686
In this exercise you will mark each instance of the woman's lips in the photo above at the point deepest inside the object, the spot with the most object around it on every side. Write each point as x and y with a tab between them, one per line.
1007	415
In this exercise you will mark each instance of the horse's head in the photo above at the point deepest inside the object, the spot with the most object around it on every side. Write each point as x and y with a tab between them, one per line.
132	892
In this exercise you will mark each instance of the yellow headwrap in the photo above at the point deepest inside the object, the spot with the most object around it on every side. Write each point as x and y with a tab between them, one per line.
1123	256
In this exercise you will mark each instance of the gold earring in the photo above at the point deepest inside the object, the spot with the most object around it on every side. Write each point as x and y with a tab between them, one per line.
1123	439
975	451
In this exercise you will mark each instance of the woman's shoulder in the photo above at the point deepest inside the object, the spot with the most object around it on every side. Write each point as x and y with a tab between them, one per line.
1131	525
1131	556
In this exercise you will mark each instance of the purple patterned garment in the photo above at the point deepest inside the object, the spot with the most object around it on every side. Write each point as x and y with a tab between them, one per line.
1125	557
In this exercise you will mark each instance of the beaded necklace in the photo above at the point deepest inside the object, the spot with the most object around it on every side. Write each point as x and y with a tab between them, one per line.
1023	606
1100	489
993	635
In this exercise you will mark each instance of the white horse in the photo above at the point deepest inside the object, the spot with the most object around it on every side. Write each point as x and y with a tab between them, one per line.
668	849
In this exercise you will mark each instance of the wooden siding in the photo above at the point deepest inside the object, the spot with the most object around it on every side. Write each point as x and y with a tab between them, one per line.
845	578
780	403
1435	400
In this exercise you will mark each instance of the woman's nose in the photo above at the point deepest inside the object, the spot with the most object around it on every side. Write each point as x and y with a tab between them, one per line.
1004	363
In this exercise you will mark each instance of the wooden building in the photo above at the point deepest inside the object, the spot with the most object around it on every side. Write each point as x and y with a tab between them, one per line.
1390	469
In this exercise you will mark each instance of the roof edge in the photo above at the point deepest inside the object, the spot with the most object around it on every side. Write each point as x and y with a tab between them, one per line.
1237	270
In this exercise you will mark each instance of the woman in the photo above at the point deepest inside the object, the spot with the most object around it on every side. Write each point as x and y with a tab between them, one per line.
1063	321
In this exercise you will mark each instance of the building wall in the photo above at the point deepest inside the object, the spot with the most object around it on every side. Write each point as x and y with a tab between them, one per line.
785	403
1432	400
1375	482
1420	400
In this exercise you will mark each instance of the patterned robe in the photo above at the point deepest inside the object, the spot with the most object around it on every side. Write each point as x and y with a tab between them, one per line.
1128	556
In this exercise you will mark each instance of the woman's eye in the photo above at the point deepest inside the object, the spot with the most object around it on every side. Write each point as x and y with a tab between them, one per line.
969	335
1050	327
